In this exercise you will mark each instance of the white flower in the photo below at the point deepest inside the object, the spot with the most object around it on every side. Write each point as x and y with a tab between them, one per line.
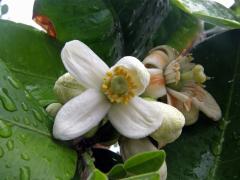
174	75
109	91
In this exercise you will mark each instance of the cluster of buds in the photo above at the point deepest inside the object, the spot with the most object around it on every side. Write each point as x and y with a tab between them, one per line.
129	96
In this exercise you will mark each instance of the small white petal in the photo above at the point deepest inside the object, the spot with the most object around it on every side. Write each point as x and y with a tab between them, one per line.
156	87
156	59
207	104
83	64
136	120
189	110
137	70
131	147
80	114
171	128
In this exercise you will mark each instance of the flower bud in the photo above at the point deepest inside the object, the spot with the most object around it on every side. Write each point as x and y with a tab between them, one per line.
130	147
67	87
171	128
52	109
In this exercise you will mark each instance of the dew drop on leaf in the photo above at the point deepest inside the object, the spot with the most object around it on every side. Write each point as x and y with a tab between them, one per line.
26	121
5	130
8	103
25	157
1	152
10	145
24	173
24	106
37	115
13	82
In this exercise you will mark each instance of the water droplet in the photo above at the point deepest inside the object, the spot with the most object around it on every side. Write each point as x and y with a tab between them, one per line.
25	173
24	106
1	152
37	115
26	121
7	101
25	157
5	130
35	124
27	94
13	82
15	118
22	138
10	145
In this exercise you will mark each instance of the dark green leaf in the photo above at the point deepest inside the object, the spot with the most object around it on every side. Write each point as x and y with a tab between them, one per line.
145	162
97	175
178	30
27	150
4	9
117	172
33	57
87	20
209	11
148	176
139	20
210	150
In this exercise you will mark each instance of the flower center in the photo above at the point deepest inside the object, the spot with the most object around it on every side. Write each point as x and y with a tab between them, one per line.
118	86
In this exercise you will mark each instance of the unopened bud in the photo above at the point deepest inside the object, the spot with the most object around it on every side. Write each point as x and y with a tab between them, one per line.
52	109
67	87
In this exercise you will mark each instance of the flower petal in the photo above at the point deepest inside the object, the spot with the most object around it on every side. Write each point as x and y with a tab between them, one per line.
80	114
136	120
171	128
189	111
137	70
83	64
156	87
207	104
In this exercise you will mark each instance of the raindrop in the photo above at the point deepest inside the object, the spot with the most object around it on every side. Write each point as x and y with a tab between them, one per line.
26	121
7	101
15	118
24	106
13	82
28	96
37	115
5	130
35	124
10	145
25	157
1	152
22	138
24	173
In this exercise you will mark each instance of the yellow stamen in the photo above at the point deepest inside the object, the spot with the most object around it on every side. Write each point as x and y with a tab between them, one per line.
118	86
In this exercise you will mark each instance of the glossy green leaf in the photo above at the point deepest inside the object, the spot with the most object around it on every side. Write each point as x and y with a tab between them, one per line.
139	20
145	162
209	11
117	172
27	150
33	57
148	176
209	150
178	30
90	21
97	175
